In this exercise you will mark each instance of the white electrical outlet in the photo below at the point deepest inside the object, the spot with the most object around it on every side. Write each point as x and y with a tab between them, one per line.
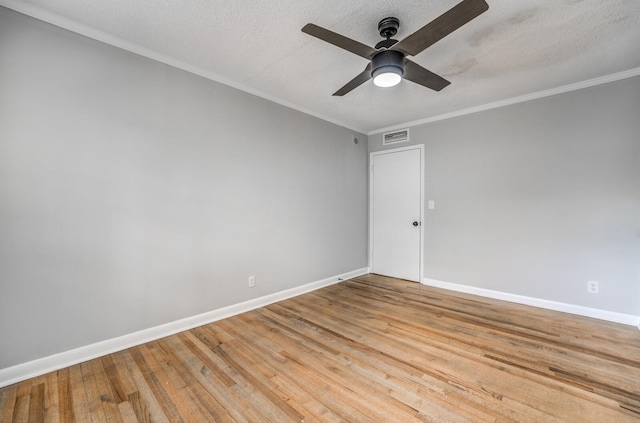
252	281
592	287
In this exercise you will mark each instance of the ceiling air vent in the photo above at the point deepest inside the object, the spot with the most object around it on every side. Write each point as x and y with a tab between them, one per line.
395	137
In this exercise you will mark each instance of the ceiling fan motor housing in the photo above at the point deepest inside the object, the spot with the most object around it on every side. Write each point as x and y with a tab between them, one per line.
387	61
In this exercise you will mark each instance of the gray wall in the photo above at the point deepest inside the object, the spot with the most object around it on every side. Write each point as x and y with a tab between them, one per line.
538	198
134	194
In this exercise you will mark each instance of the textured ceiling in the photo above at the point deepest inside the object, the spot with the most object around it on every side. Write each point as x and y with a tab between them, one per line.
514	49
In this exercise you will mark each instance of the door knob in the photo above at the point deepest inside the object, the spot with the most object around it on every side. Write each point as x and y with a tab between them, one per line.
416	223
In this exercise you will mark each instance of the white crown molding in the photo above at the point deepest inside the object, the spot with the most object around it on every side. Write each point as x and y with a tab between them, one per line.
611	316
23	371
515	100
78	28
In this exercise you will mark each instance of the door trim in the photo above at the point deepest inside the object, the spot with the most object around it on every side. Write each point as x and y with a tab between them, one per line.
396	150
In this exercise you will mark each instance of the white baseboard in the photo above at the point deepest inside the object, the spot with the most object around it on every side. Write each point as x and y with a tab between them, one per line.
611	316
23	371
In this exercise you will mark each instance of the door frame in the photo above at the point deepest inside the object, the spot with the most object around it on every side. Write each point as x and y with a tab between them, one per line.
419	147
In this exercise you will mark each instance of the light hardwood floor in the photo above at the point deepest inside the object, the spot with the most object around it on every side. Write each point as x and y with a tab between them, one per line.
371	349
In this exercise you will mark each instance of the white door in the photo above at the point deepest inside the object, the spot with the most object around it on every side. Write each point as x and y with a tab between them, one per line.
396	213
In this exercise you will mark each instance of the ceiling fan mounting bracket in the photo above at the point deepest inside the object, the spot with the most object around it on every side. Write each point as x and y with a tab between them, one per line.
388	27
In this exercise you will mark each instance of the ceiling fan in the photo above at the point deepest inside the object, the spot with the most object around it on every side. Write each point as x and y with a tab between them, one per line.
389	63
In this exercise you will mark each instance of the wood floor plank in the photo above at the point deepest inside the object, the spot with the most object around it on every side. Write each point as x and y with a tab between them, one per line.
22	403
370	349
52	401
92	394
207	402
143	401
111	372
79	398
127	412
7	402
156	386
135	404
36	404
171	385
108	398
210	375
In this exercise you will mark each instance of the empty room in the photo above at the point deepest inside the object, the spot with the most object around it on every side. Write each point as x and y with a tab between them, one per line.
337	211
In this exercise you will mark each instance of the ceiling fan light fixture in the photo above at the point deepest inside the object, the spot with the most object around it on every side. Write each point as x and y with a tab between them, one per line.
387	68
387	78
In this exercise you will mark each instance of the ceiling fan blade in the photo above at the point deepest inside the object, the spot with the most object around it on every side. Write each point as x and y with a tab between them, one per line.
442	26
355	82
341	41
416	73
